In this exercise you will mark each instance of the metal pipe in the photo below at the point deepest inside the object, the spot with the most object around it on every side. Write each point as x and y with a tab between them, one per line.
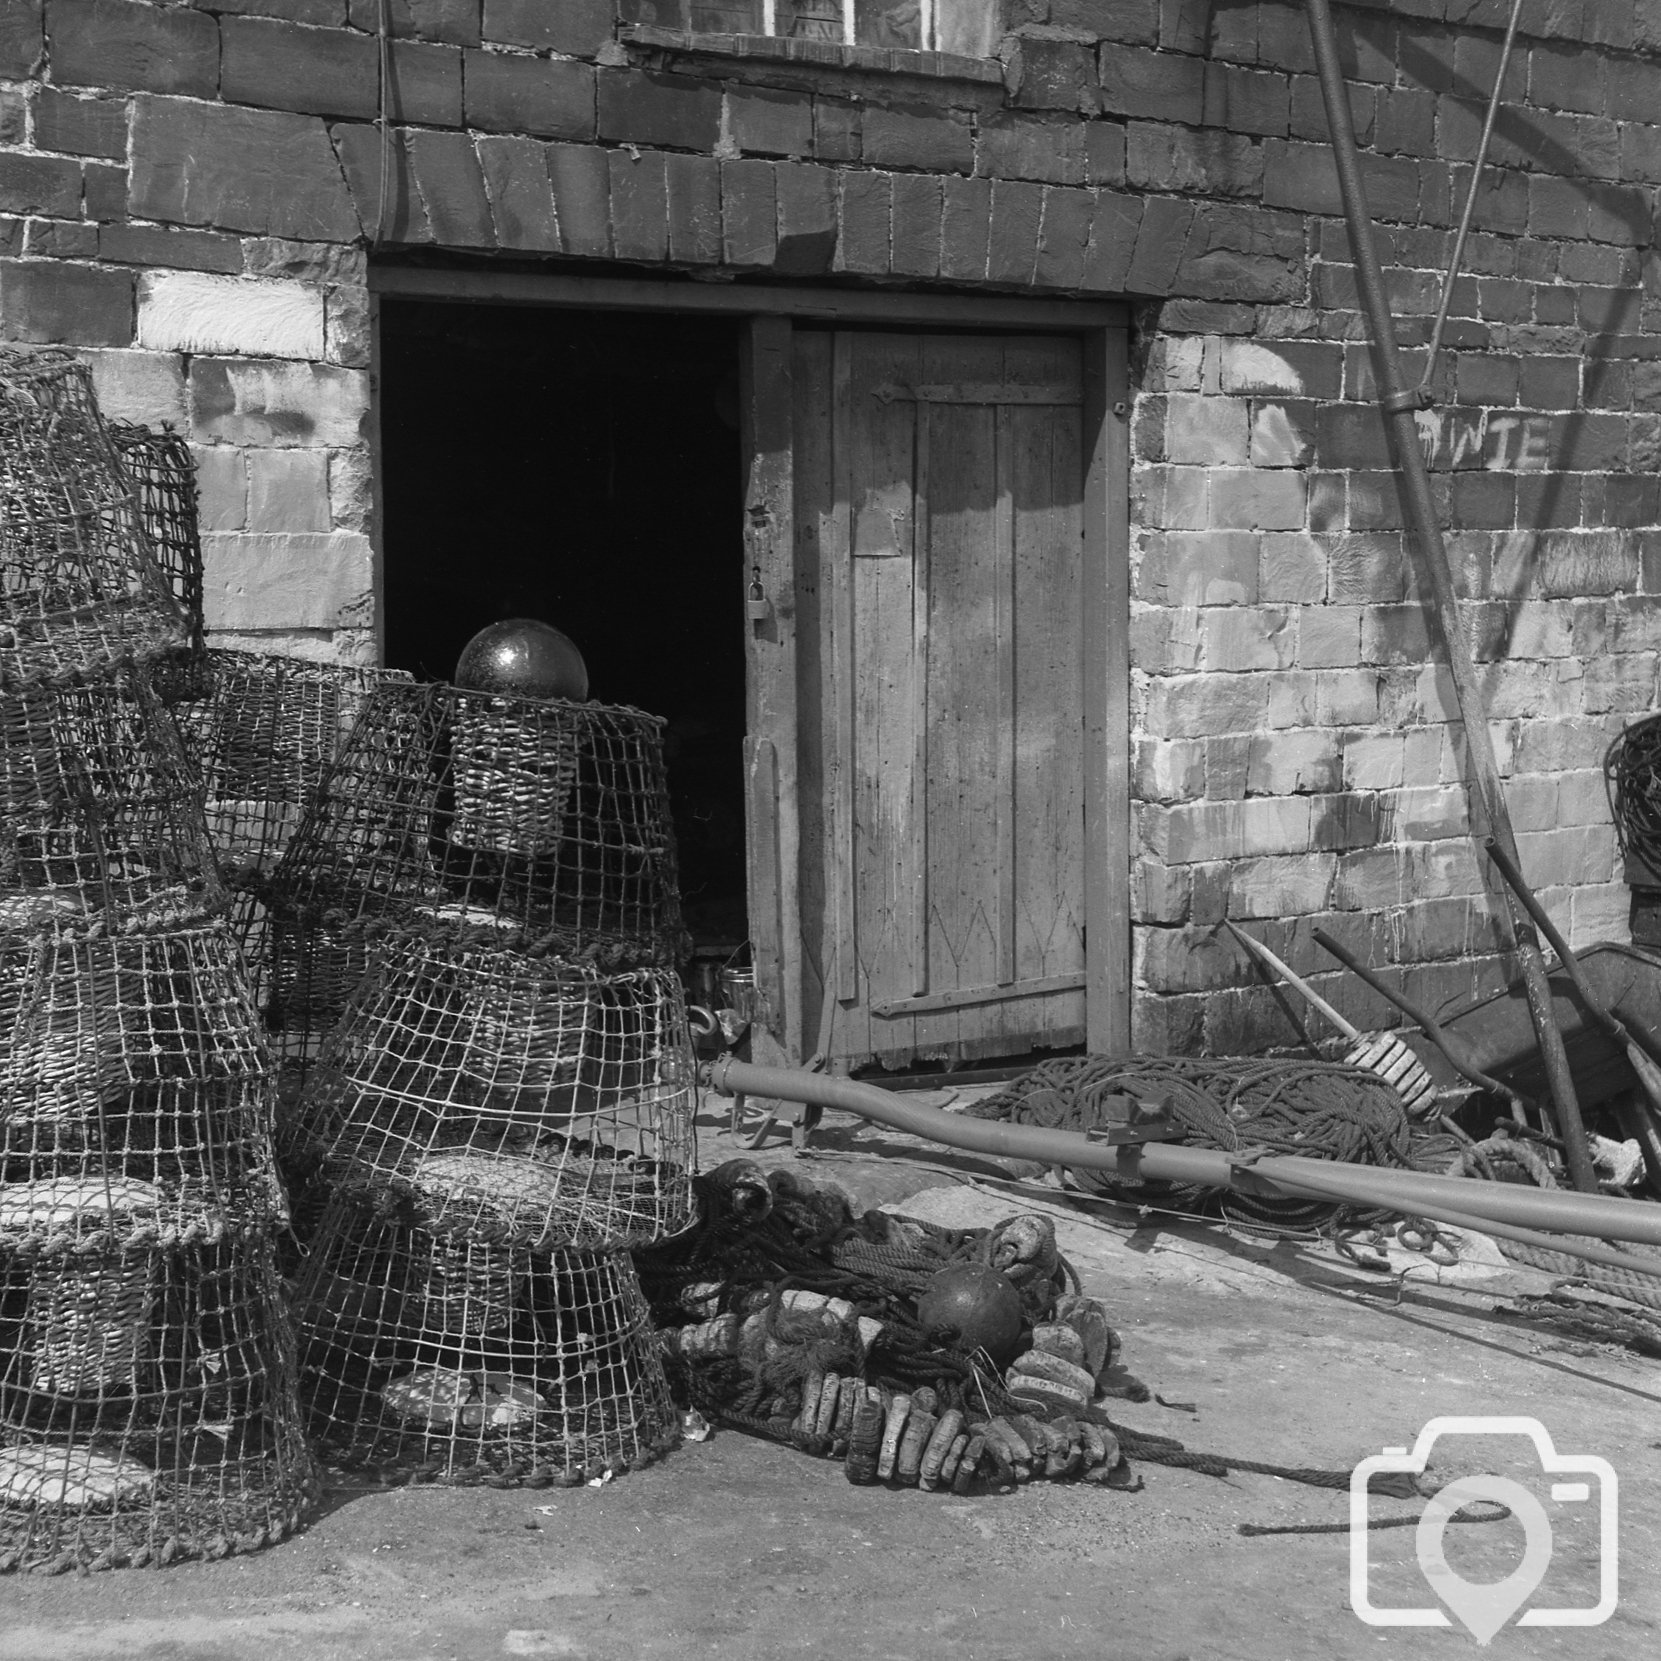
1489	814
1411	1192
1348	1190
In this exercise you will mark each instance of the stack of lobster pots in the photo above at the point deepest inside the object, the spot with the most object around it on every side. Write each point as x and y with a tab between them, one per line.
147	1387
475	932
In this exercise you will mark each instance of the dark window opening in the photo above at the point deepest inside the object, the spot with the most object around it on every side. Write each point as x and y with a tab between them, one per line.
582	468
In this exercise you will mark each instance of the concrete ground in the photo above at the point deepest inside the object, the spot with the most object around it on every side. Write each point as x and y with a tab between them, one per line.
739	1549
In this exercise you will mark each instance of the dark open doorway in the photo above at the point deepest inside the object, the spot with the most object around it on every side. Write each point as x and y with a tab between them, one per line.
583	468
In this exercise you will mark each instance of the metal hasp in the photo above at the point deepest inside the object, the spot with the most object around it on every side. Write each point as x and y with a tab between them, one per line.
1125	1119
1489	814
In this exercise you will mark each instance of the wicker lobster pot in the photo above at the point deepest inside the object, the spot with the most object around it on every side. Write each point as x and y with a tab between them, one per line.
545	1370
138	1057
81	592
518	822
519	1101
147	1403
102	812
264	735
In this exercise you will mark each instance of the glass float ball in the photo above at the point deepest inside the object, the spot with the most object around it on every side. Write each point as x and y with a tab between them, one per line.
522	658
980	1304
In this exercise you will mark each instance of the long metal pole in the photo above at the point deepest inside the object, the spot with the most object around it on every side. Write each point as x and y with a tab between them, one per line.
1413	1193
1490	815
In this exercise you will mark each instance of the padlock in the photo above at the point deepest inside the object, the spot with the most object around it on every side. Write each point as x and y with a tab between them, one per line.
759	606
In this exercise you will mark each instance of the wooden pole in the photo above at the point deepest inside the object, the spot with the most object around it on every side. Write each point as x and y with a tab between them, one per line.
1490	816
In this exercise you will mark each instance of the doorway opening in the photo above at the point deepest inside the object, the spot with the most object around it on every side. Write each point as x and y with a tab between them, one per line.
582	468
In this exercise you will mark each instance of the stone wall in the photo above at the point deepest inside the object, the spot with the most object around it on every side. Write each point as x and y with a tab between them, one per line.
188	191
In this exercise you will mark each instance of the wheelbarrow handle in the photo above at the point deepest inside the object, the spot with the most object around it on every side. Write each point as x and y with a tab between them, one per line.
1458	1057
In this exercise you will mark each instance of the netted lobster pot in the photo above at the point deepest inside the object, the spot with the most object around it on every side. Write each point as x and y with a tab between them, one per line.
541	825
80	592
163	472
522	1101
457	1360
141	1059
147	1405
100	813
263	736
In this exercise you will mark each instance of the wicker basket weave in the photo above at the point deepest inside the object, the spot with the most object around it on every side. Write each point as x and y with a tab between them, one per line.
513	772
90	1324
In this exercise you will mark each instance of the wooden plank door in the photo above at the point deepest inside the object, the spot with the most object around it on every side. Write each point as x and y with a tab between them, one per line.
940	628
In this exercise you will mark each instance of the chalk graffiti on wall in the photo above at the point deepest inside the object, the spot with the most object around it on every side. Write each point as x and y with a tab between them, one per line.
1490	439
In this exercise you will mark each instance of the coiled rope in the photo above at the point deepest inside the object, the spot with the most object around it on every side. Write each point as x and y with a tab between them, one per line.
1317	1110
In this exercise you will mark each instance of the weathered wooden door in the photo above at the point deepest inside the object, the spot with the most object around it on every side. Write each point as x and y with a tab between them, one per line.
940	710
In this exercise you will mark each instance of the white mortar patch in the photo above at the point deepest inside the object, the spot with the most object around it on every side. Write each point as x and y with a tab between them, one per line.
200	311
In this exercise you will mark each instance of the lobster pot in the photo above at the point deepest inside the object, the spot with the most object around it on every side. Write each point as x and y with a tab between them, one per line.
148	1408
138	1057
163	473
89	1324
263	735
525	823
560	1382
512	771
80	591
102	812
522	1101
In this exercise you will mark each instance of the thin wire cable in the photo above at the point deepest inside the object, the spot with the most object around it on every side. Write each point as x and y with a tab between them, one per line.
382	99
1458	255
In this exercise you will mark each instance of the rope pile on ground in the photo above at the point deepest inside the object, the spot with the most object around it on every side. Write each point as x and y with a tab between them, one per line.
943	1359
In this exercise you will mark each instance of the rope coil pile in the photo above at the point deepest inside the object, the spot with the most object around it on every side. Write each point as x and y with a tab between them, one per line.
785	1316
1318	1110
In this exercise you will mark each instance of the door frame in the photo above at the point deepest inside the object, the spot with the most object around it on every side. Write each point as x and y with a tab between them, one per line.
767	419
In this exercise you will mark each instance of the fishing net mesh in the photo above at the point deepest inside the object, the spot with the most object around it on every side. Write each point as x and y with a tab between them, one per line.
263	735
451	1358
163	472
537	825
526	1102
147	1405
136	1098
100	812
263	731
80	591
